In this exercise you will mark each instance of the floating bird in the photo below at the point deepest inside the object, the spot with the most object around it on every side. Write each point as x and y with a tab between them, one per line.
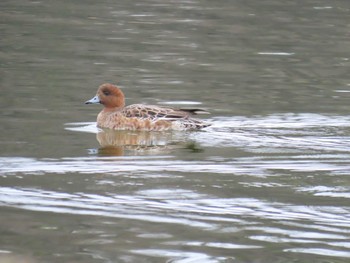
115	115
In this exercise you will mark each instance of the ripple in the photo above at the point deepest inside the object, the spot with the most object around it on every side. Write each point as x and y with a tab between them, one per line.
285	143
279	133
275	53
192	210
320	251
288	223
277	179
184	258
336	191
258	167
89	127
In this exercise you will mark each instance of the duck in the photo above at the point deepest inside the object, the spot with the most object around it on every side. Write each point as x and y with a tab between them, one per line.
140	117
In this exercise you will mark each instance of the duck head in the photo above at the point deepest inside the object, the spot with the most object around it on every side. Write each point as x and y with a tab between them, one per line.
109	95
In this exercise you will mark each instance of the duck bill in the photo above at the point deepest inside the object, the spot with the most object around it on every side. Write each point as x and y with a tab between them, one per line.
94	100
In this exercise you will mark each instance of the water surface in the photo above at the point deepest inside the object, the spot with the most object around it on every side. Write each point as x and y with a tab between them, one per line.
267	182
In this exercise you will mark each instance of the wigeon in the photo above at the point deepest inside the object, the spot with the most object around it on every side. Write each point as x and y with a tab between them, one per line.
115	115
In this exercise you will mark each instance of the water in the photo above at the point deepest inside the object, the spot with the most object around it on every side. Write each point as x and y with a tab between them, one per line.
267	182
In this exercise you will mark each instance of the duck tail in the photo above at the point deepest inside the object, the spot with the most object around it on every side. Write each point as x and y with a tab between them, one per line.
195	111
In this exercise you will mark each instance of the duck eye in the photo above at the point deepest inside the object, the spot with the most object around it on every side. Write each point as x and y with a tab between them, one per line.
106	92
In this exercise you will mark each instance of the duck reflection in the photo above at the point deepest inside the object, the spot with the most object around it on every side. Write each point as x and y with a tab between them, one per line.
120	143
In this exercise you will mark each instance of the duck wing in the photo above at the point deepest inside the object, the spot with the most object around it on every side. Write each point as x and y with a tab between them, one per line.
153	112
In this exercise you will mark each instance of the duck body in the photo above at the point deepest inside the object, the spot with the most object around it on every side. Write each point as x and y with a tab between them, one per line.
117	116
